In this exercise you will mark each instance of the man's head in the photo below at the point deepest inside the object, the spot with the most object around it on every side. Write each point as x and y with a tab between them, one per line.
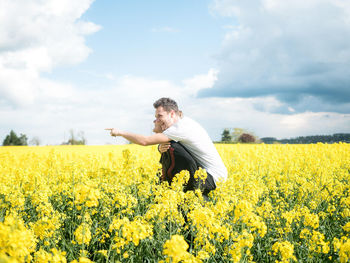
167	112
167	104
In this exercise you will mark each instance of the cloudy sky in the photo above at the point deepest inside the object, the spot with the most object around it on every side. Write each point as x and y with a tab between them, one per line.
277	68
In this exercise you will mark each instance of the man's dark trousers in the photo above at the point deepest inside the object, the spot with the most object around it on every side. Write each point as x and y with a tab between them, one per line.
176	159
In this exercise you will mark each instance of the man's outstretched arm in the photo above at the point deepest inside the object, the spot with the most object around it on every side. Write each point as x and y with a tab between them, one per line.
140	139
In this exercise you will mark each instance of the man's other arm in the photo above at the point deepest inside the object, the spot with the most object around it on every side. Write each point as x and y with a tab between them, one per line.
139	139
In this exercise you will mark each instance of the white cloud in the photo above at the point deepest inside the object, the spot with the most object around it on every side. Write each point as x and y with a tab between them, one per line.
315	123
215	114
203	81
35	37
225	7
49	109
127	104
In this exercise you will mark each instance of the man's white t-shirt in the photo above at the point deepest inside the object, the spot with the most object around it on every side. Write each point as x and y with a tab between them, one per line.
197	141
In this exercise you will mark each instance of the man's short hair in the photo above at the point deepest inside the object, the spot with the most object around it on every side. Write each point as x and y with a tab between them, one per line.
167	104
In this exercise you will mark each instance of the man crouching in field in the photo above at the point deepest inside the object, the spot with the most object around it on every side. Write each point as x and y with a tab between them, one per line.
175	158
187	144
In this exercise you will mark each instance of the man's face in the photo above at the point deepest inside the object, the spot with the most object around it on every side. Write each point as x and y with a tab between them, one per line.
164	119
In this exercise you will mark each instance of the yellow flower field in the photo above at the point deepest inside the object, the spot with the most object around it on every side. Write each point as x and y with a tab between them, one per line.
281	203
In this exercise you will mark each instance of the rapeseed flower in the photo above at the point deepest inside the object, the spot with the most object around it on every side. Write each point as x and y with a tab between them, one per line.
176	249
54	256
83	234
285	250
16	241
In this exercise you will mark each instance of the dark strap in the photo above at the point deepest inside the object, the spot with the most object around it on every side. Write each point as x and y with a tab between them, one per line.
172	164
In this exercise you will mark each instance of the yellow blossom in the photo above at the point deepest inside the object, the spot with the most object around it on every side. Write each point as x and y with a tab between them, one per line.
347	227
285	250
16	240
82	234
176	249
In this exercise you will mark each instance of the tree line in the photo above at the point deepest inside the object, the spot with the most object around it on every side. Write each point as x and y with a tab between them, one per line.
238	135
335	138
235	135
12	139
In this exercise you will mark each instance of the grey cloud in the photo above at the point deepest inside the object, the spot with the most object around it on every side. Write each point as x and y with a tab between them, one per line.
290	53
333	97
315	104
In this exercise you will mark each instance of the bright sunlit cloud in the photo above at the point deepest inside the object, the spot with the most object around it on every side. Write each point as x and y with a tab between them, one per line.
35	38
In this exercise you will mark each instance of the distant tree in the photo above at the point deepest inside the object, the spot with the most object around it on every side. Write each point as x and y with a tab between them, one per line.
237	132
23	139
226	136
246	138
12	139
239	135
76	140
35	141
81	135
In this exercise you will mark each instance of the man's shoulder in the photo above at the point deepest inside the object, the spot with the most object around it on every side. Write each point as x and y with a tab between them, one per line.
184	129
187	121
185	124
179	130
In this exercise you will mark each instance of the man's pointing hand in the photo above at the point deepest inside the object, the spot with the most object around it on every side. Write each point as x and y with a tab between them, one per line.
113	131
